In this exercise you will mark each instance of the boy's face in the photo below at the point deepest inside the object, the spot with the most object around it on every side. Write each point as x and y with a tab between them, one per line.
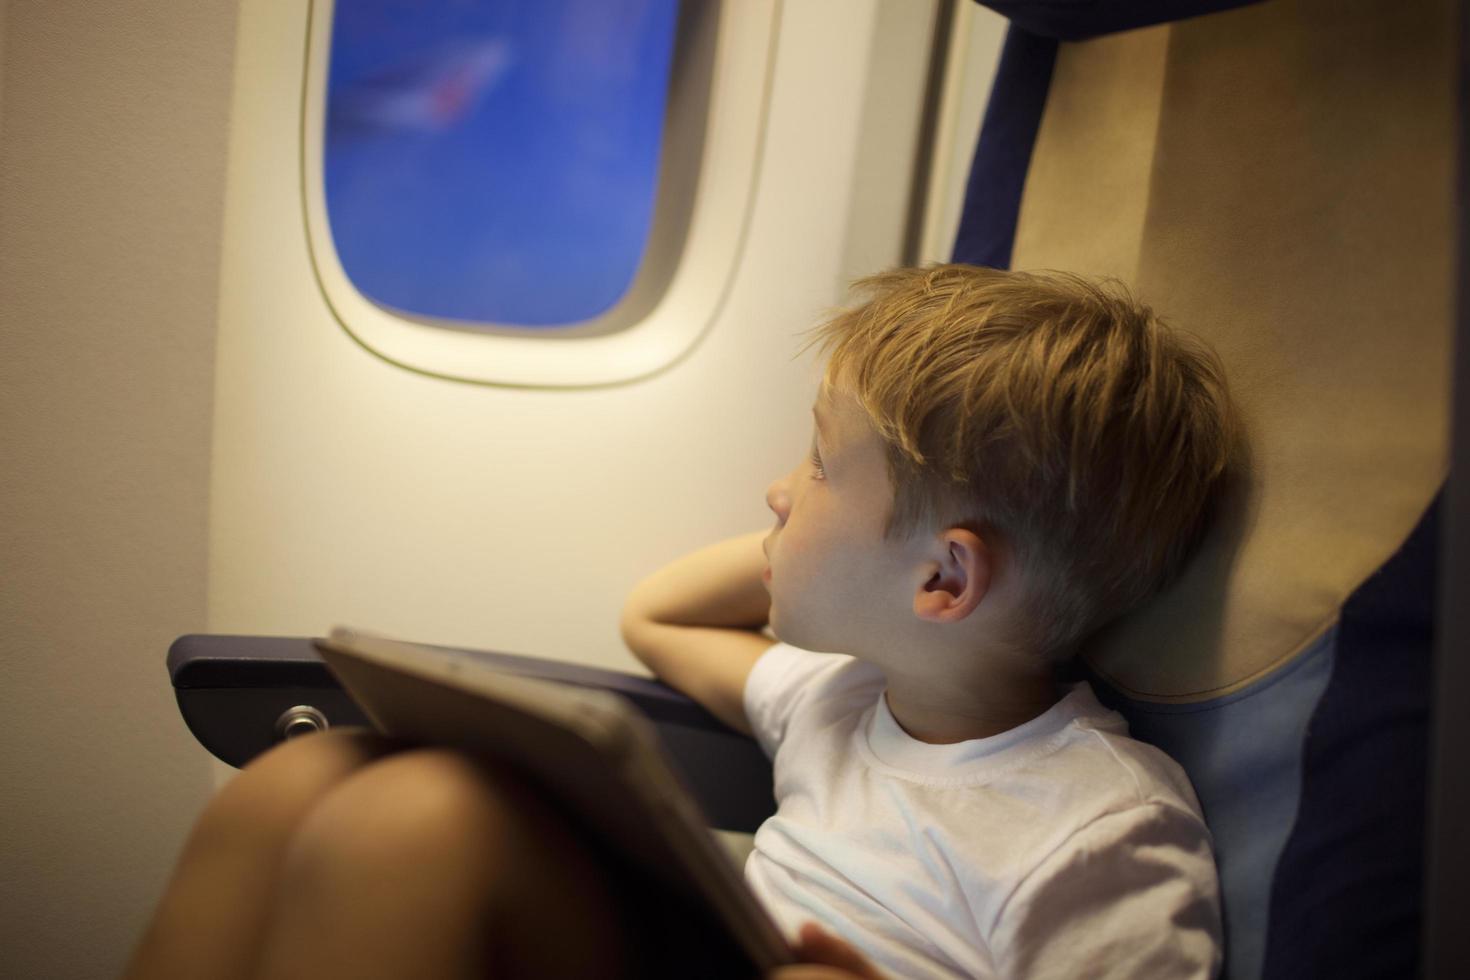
835	584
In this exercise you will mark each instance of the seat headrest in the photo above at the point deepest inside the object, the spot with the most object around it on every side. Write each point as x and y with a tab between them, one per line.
1279	180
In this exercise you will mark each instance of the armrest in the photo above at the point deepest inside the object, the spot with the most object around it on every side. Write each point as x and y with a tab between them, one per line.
238	694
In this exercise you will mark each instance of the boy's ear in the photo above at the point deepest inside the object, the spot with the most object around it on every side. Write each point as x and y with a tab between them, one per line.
958	578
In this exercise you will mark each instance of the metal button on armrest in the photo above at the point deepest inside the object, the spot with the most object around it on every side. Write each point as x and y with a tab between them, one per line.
303	719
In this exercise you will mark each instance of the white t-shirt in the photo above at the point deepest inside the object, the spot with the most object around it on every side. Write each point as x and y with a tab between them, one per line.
1061	848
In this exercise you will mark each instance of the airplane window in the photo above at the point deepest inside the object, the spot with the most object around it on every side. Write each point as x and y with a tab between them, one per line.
495	162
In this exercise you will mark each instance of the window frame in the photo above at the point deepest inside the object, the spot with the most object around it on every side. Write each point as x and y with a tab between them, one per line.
714	130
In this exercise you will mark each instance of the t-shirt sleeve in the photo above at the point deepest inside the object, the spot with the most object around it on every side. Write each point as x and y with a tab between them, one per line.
779	682
1132	894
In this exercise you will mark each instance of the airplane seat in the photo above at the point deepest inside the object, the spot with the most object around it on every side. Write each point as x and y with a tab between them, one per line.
1277	177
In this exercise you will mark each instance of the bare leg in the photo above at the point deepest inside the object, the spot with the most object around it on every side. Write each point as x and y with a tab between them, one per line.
429	865
215	910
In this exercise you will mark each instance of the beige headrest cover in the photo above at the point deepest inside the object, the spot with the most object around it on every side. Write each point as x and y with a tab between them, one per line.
1279	180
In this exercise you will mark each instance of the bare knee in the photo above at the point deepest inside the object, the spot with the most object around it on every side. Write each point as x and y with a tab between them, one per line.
415	810
277	789
469	847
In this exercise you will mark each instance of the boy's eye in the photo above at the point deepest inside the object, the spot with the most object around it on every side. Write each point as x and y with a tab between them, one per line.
817	460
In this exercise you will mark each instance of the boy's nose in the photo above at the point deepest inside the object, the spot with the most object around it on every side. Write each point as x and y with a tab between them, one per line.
778	499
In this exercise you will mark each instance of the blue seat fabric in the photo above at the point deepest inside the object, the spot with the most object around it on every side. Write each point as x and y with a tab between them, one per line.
1348	897
1313	783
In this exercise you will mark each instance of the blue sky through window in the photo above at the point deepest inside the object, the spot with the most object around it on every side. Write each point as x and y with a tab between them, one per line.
492	161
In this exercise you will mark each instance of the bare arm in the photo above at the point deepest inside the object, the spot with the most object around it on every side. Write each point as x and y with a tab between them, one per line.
696	623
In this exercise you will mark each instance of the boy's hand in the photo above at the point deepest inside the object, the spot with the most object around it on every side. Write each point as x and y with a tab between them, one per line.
825	957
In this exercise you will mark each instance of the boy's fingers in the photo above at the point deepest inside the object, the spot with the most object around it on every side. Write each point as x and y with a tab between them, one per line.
820	947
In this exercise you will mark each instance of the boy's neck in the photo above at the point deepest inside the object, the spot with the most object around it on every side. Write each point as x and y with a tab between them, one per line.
941	712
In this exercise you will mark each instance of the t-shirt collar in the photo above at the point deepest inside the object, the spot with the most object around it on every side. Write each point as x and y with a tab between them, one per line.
894	747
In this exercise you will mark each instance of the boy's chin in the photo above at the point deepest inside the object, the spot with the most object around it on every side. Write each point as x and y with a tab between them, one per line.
806	639
784	630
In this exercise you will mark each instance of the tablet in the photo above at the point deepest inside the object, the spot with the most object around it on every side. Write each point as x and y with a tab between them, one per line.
591	751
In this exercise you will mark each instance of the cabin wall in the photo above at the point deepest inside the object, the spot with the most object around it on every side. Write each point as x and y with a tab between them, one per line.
112	162
348	490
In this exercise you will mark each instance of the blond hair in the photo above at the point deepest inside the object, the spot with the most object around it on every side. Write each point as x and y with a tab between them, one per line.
1056	412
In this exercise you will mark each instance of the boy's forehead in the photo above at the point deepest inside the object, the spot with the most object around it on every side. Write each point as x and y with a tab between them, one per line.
855	455
832	396
842	421
835	402
825	407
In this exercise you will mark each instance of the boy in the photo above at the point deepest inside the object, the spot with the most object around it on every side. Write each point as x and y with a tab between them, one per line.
1002	462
